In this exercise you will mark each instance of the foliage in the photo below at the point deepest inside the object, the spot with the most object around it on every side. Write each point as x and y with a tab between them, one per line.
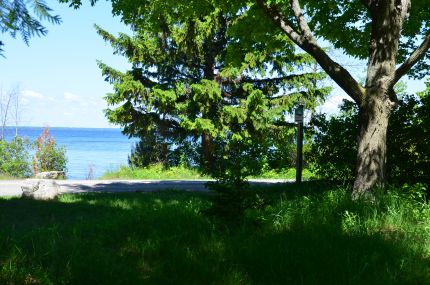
23	17
154	171
156	149
159	171
333	153
14	158
392	35
192	81
408	143
149	150
309	235
48	156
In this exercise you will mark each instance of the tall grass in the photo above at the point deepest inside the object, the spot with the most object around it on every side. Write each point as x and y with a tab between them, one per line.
157	171
309	235
6	177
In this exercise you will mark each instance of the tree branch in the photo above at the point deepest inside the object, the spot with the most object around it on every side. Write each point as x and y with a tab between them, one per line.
413	59
304	27
307	42
278	79
281	22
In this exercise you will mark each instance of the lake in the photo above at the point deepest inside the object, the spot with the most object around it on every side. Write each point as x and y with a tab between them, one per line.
98	149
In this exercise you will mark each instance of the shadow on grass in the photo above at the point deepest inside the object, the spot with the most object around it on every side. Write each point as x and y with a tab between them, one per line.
162	238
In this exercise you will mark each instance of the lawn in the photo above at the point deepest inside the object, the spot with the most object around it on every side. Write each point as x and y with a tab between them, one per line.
157	171
6	177
313	234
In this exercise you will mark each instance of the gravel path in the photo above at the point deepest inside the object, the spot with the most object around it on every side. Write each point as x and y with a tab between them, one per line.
13	187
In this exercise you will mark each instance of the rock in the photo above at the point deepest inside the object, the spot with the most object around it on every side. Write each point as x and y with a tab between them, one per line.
41	190
50	175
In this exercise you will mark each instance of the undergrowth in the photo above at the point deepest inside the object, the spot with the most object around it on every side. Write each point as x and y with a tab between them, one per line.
158	171
312	234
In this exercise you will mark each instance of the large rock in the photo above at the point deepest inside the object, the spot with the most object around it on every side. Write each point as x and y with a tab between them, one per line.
41	190
50	175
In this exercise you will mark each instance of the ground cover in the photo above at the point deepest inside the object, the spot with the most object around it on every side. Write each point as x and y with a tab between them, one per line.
6	177
157	171
313	234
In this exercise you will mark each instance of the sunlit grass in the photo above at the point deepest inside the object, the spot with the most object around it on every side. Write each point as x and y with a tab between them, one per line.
286	174
157	171
312	234
6	177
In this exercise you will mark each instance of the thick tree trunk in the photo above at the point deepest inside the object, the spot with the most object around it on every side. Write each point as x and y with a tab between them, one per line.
379	99
374	115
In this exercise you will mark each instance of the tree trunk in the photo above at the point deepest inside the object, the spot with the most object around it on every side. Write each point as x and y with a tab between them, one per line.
207	151
374	115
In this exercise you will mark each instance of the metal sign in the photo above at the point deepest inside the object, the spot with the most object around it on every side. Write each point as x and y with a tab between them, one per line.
298	114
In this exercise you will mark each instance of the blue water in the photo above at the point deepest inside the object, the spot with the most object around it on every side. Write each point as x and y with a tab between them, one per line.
99	149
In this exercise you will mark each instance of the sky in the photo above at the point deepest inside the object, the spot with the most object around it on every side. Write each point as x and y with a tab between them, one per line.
60	82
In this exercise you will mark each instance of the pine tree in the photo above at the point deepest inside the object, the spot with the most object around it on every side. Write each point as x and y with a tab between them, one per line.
192	78
23	17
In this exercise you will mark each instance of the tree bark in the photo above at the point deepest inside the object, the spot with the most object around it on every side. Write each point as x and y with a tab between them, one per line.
207	151
380	99
374	115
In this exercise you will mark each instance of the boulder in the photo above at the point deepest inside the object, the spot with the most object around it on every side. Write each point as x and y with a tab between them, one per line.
50	175
41	190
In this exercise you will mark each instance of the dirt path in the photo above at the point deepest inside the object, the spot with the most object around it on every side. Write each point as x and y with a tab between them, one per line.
13	187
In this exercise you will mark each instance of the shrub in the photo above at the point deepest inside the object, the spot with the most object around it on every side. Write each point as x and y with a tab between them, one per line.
48	156
14	158
334	150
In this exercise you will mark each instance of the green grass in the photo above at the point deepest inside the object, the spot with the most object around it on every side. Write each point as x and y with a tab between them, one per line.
7	177
153	172
306	235
287	174
158	172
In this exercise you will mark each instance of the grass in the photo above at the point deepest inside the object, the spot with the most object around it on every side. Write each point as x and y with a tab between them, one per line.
158	172
6	177
313	234
287	174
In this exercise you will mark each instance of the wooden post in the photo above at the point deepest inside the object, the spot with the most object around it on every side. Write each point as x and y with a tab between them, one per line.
299	159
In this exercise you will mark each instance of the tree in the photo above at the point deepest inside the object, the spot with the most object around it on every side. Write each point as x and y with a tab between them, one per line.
191	79
393	35
48	156
23	17
10	109
14	158
6	99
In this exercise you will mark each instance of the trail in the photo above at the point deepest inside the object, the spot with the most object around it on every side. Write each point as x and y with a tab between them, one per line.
13	187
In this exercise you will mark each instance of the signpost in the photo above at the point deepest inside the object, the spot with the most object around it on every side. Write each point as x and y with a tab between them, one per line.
298	115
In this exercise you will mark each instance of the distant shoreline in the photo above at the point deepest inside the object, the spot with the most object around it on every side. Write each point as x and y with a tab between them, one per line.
53	128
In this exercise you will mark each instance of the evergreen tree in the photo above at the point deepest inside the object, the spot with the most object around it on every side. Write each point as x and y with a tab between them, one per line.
191	78
23	17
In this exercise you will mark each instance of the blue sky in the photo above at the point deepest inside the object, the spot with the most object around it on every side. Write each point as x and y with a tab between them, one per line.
61	84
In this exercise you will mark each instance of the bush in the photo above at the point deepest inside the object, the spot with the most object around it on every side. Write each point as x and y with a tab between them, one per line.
14	158
155	149
48	156
334	150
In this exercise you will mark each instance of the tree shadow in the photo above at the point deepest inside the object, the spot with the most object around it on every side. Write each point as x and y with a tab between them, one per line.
163	238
